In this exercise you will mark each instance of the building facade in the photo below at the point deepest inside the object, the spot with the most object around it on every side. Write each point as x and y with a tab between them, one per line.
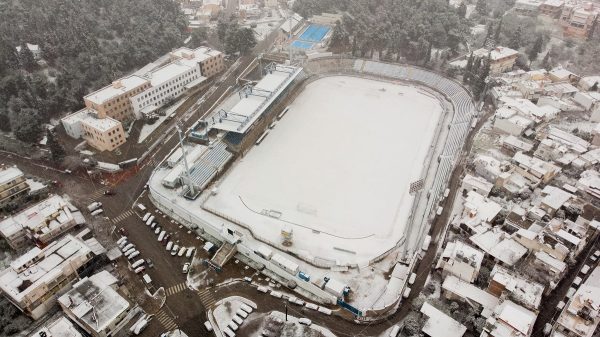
579	20
502	59
103	134
114	100
13	186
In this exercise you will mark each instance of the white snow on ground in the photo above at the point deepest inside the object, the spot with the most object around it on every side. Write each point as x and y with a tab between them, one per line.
147	129
338	167
226	308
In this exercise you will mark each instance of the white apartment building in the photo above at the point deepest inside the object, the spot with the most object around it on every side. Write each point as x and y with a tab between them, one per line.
188	69
32	280
40	223
101	133
60	327
96	306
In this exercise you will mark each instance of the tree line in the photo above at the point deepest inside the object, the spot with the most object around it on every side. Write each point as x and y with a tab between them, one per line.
86	44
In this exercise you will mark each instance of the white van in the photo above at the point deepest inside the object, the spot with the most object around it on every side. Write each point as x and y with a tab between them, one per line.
94	206
412	278
395	330
305	321
149	221
208	326
169	245
147	279
242	313
181	251
121	240
141	207
161	236
139	270
123	244
324	310
246	308
137	263
190	251
98	212
232	326
228	332
133	255
146	216
127	247
237	320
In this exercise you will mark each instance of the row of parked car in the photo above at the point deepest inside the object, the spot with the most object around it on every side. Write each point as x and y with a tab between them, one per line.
131	253
164	238
238	318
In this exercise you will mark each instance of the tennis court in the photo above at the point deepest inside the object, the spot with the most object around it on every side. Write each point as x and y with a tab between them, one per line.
302	44
314	33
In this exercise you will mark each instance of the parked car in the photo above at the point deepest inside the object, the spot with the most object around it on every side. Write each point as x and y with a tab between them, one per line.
170	245
149	263
186	268
175	250
157	230
109	192
123	231
181	251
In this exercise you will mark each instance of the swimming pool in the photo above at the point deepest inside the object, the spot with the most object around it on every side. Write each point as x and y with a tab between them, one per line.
302	44
314	33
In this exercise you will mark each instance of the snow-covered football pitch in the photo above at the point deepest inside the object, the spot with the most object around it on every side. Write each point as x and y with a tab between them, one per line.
335	169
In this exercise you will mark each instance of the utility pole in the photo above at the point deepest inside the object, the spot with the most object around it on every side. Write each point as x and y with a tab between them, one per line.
187	168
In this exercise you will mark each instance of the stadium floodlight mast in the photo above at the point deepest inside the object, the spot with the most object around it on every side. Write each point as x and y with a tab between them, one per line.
187	168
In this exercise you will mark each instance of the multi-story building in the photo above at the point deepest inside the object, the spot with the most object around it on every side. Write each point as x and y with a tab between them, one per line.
32	280
13	186
104	134
579	19
188	68
581	316
114	100
552	8
96	306
40	223
501	58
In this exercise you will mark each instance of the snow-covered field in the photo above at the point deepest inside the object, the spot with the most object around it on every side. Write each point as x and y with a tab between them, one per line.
336	169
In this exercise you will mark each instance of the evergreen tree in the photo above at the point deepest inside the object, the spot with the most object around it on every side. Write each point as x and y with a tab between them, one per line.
27	127
546	61
56	150
468	69
498	31
537	48
222	28
488	36
481	7
246	40
515	40
26	58
462	10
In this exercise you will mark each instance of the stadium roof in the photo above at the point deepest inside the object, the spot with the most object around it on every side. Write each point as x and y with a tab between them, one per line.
255	101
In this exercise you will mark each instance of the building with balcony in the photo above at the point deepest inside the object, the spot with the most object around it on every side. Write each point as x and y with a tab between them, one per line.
502	59
114	100
13	186
32	281
579	19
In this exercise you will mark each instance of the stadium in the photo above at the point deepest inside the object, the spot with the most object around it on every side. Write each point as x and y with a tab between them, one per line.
317	172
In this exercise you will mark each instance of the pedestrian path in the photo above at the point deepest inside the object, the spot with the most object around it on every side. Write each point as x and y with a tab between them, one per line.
206	297
165	320
122	216
176	289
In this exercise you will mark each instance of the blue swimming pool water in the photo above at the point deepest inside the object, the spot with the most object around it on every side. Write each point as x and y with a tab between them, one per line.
314	33
302	44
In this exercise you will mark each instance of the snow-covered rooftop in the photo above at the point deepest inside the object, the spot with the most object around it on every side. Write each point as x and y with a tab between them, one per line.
521	289
498	244
254	103
9	174
117	88
90	117
470	292
60	327
497	53
94	301
555	197
439	324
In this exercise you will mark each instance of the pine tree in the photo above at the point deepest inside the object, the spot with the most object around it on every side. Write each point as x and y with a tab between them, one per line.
488	35
468	69
546	61
498	31
515	40
26	58
56	150
462	10
537	48
481	7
